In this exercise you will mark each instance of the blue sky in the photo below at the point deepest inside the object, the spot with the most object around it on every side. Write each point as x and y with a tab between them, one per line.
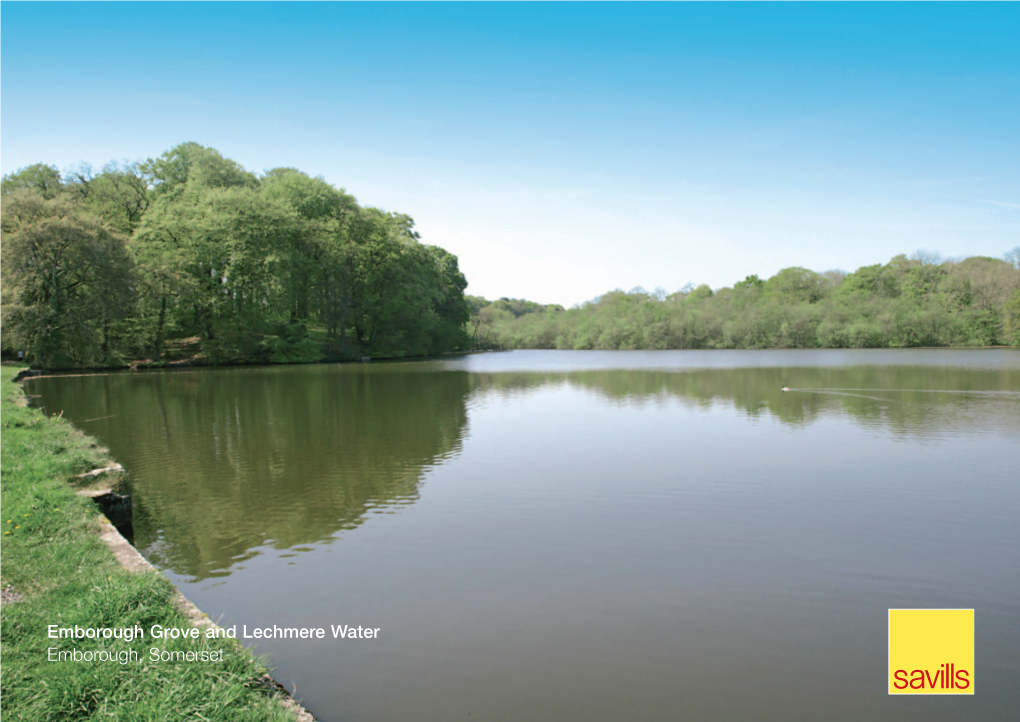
564	150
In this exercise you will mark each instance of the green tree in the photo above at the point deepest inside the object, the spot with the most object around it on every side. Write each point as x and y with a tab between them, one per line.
218	257
1011	319
796	285
315	271
119	193
451	307
750	282
863	283
171	172
67	282
41	178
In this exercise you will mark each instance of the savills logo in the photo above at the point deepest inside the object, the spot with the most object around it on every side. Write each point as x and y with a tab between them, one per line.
931	651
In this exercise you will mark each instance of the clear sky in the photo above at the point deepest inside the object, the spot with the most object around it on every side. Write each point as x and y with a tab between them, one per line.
564	150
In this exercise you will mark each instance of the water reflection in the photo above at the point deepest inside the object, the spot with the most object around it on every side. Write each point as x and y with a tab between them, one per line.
917	401
224	462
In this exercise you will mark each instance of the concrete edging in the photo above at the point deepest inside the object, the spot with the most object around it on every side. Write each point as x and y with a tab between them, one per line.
132	560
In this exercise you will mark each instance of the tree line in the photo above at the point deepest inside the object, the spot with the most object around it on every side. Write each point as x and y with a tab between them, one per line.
120	263
907	302
135	261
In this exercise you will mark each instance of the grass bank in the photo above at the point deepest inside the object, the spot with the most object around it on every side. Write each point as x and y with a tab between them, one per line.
56	571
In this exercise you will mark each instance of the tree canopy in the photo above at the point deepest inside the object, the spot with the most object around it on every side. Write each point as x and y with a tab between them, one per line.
124	262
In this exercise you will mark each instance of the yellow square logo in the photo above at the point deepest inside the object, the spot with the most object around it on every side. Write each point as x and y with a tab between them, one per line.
931	651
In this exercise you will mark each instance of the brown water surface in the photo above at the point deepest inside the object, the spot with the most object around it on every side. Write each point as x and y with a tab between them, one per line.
586	535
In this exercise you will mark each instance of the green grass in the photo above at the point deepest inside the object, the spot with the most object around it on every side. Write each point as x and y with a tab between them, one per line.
61	573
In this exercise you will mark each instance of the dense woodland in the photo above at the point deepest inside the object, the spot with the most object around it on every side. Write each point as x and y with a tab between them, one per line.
190	253
188	256
918	301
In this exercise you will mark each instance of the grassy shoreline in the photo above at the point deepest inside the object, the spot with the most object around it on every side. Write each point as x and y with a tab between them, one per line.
55	570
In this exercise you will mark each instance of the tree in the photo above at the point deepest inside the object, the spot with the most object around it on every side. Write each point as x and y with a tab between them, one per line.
796	285
68	282
219	257
451	307
927	258
119	193
750	282
325	211
1011	319
41	178
861	284
171	172
699	294
835	277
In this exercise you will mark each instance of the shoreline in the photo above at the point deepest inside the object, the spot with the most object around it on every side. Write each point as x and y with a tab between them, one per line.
30	373
63	560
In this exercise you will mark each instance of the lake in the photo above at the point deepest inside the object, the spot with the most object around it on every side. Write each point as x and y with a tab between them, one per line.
557	535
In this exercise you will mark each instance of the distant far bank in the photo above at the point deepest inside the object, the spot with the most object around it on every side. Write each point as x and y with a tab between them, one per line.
913	302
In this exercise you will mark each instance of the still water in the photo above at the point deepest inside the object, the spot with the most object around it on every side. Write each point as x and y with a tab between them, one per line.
555	535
